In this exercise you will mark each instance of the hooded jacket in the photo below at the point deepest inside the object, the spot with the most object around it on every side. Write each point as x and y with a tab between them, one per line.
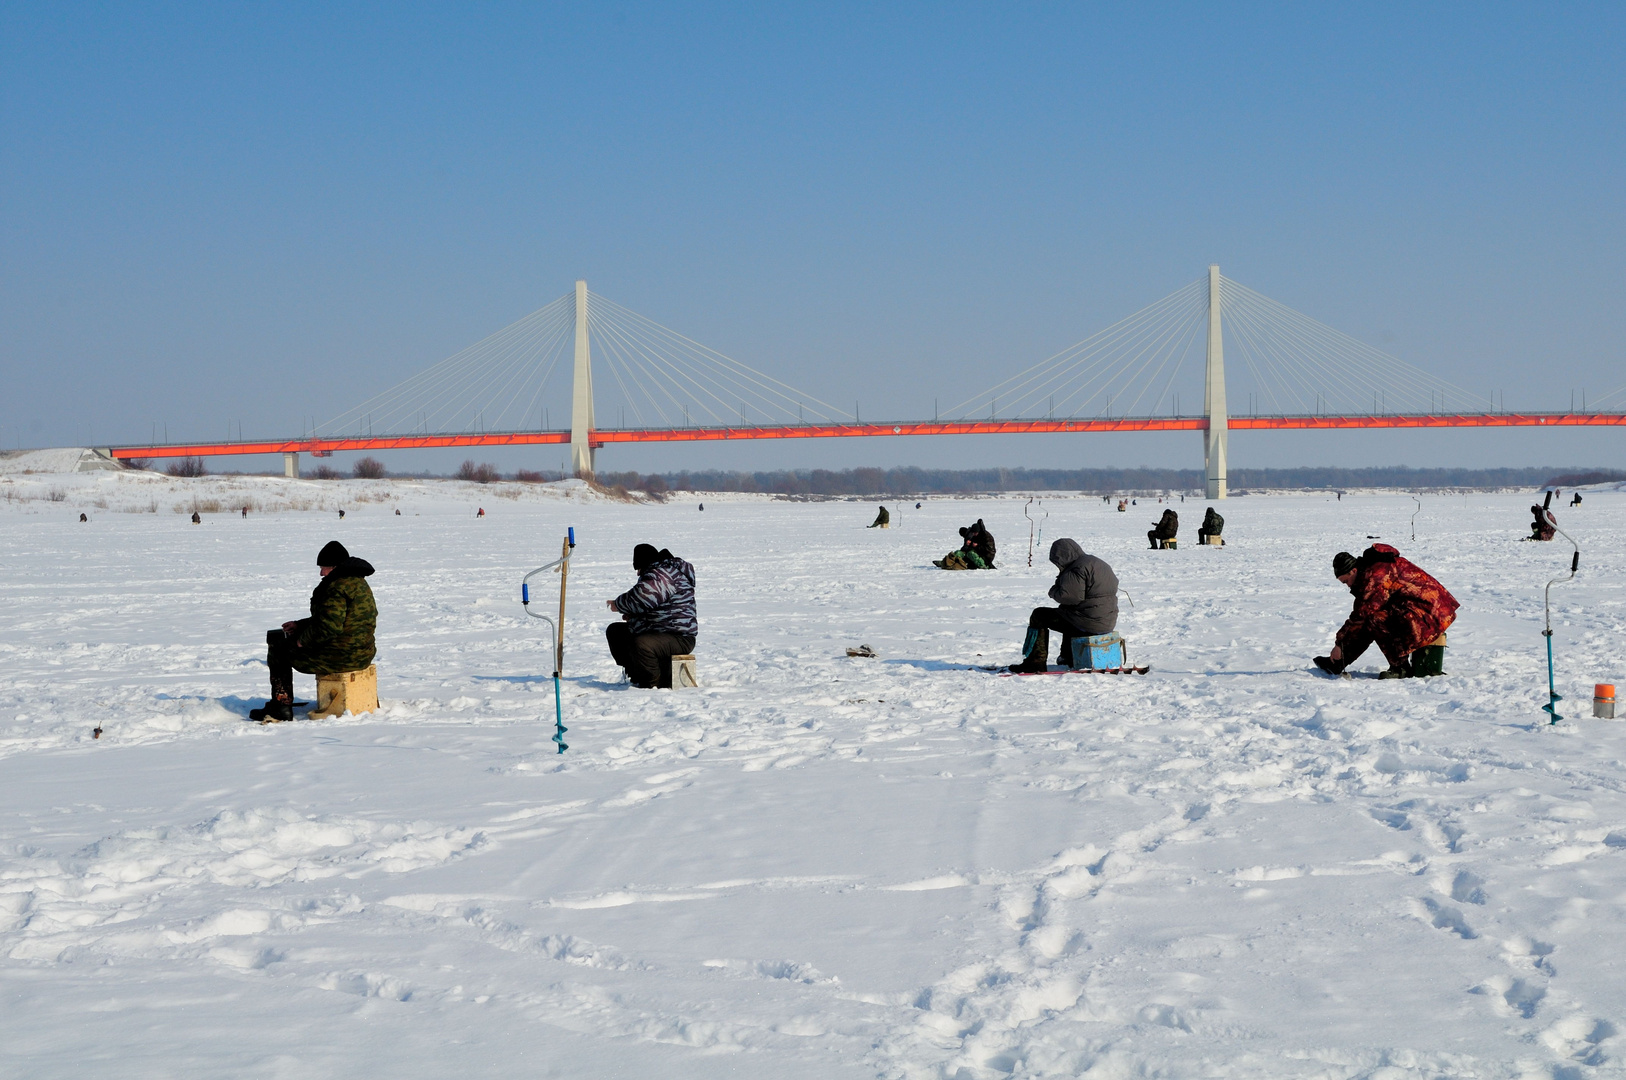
1086	589
662	602
979	540
1397	604
338	636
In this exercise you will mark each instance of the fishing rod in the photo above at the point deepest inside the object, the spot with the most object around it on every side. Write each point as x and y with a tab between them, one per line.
1553	696
561	566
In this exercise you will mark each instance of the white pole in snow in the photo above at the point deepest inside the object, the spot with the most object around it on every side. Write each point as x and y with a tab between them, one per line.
1217	434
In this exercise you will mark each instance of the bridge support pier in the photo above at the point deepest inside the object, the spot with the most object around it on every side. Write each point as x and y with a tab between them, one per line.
581	394
290	466
1217	434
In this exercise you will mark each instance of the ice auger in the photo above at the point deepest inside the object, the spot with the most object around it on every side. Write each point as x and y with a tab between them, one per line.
1553	696
1031	526
561	565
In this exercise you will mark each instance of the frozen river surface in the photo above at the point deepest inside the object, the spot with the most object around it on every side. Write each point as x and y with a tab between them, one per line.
814	866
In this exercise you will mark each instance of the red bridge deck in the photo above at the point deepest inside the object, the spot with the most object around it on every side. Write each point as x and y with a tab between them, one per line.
327	445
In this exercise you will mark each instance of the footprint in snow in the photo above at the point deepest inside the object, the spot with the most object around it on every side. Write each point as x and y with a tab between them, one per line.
1446	917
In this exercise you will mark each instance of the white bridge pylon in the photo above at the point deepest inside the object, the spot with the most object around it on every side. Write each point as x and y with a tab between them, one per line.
1216	435
663	382
659	378
1291	366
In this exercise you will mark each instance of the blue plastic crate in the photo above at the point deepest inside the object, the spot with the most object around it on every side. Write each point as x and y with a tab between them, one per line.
1098	651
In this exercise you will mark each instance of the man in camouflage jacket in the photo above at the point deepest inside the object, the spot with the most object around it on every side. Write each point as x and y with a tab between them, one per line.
659	618
975	553
338	635
1397	605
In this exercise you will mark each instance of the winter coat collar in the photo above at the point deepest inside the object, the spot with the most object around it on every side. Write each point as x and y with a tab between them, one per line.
351	567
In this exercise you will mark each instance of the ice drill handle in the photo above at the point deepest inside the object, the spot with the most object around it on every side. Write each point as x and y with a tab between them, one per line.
1548	501
571	534
1575	563
525	592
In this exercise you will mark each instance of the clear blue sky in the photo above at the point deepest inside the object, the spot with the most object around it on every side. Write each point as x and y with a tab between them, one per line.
254	214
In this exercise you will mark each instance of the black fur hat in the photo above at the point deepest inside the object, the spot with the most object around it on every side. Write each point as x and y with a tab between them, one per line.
332	554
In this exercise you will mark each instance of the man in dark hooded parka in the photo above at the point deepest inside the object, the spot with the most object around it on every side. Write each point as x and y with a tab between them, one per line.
1165	529
1086	591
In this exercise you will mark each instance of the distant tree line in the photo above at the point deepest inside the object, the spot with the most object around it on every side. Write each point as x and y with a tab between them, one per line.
918	481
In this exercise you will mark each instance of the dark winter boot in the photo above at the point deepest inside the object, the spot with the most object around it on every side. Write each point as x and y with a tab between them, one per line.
1401	670
1035	650
1329	665
275	712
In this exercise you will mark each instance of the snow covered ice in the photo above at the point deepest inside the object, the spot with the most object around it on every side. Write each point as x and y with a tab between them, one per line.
815	865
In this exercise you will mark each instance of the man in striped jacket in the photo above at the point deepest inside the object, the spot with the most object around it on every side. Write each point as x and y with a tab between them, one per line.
659	618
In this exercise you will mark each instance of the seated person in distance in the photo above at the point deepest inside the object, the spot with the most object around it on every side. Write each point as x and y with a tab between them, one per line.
1212	525
1165	529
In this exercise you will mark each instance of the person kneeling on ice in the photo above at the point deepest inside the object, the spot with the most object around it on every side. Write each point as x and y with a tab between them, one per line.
883	520
337	637
1398	606
976	553
1541	528
1086	590
659	618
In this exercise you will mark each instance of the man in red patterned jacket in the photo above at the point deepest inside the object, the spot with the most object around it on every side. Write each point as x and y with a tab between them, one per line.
1397	605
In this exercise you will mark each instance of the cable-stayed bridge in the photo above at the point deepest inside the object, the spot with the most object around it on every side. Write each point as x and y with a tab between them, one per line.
1287	371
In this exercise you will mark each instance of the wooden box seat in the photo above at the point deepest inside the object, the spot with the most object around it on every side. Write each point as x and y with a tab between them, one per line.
353	692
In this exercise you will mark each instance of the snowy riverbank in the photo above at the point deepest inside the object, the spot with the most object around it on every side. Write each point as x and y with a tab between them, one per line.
815	866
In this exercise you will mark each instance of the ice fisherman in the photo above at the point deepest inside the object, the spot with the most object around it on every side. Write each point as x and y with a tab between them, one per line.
1086	591
883	520
659	618
1212	525
1575	499
1397	605
976	552
1165	529
338	635
1541	528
